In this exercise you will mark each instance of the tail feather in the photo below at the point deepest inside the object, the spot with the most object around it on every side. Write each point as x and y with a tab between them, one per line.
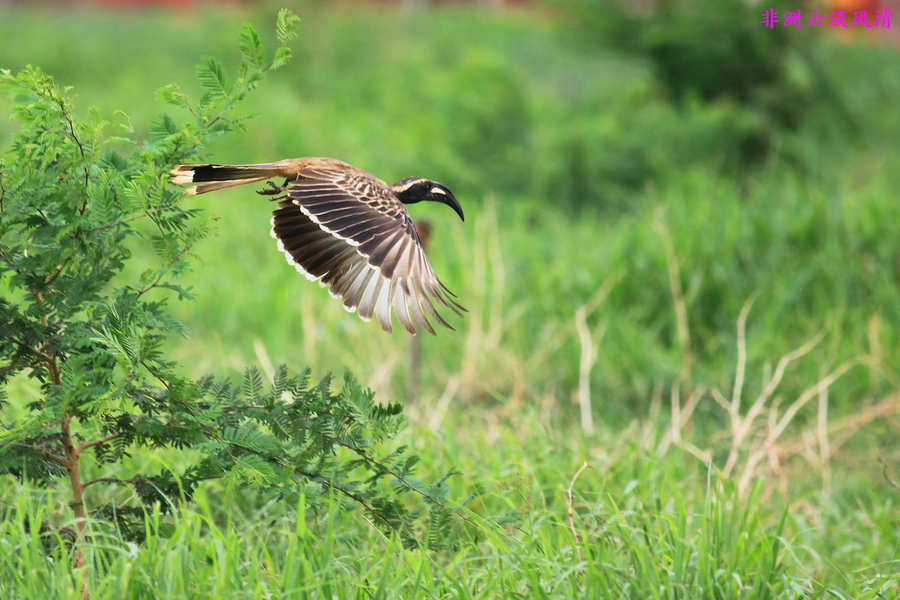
217	177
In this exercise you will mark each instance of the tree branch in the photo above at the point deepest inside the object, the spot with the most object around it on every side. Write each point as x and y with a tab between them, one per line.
161	275
146	213
42	453
115	480
27	348
99	441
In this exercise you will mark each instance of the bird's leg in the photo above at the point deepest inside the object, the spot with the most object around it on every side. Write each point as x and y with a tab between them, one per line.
272	189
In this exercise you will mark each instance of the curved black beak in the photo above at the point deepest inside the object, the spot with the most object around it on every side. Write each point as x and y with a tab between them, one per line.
440	193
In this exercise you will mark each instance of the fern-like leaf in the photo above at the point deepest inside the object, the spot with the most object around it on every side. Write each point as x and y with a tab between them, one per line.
212	77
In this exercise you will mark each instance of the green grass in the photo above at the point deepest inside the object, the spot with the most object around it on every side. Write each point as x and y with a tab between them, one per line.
639	528
584	188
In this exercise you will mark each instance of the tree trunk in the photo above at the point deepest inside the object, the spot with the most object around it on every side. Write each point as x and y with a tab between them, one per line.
73	468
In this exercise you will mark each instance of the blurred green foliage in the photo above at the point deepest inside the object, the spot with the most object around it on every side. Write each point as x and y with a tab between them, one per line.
584	138
596	151
755	82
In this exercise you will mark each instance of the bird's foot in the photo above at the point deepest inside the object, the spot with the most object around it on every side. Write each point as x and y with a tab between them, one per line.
272	189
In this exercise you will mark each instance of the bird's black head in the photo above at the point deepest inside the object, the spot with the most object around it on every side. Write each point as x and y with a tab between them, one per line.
416	189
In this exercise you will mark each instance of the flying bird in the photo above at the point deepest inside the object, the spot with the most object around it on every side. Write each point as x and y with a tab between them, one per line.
348	230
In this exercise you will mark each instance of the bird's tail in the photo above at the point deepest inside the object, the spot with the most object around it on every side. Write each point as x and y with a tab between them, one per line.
217	177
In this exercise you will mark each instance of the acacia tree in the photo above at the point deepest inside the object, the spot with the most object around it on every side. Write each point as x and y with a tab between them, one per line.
71	207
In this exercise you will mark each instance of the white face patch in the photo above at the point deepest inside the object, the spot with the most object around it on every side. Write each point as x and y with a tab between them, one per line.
437	190
408	185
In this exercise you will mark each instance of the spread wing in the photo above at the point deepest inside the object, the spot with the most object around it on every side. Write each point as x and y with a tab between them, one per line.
347	231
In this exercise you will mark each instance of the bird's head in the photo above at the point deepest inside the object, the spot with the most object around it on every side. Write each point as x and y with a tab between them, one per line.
416	189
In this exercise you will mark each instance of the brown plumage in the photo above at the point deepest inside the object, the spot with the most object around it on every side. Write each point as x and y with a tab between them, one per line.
348	230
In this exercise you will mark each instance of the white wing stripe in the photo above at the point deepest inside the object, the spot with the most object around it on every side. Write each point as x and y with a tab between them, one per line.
383	304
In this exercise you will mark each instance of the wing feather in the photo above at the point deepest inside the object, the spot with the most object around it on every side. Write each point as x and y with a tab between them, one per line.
367	298
400	304
354	295
346	230
383	304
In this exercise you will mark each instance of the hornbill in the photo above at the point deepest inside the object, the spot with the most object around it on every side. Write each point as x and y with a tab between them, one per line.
348	230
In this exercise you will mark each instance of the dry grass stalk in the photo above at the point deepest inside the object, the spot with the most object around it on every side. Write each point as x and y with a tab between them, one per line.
559	334
437	415
681	418
757	431
571	512
588	354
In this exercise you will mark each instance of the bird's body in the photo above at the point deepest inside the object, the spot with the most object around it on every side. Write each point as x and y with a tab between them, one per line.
348	230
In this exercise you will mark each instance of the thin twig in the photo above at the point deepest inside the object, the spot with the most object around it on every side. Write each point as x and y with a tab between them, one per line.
115	480
146	213
163	274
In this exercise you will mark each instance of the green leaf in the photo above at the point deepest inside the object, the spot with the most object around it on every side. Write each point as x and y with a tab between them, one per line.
171	94
254	469
166	126
257	441
212	77
286	25
253	385
251	46
282	55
